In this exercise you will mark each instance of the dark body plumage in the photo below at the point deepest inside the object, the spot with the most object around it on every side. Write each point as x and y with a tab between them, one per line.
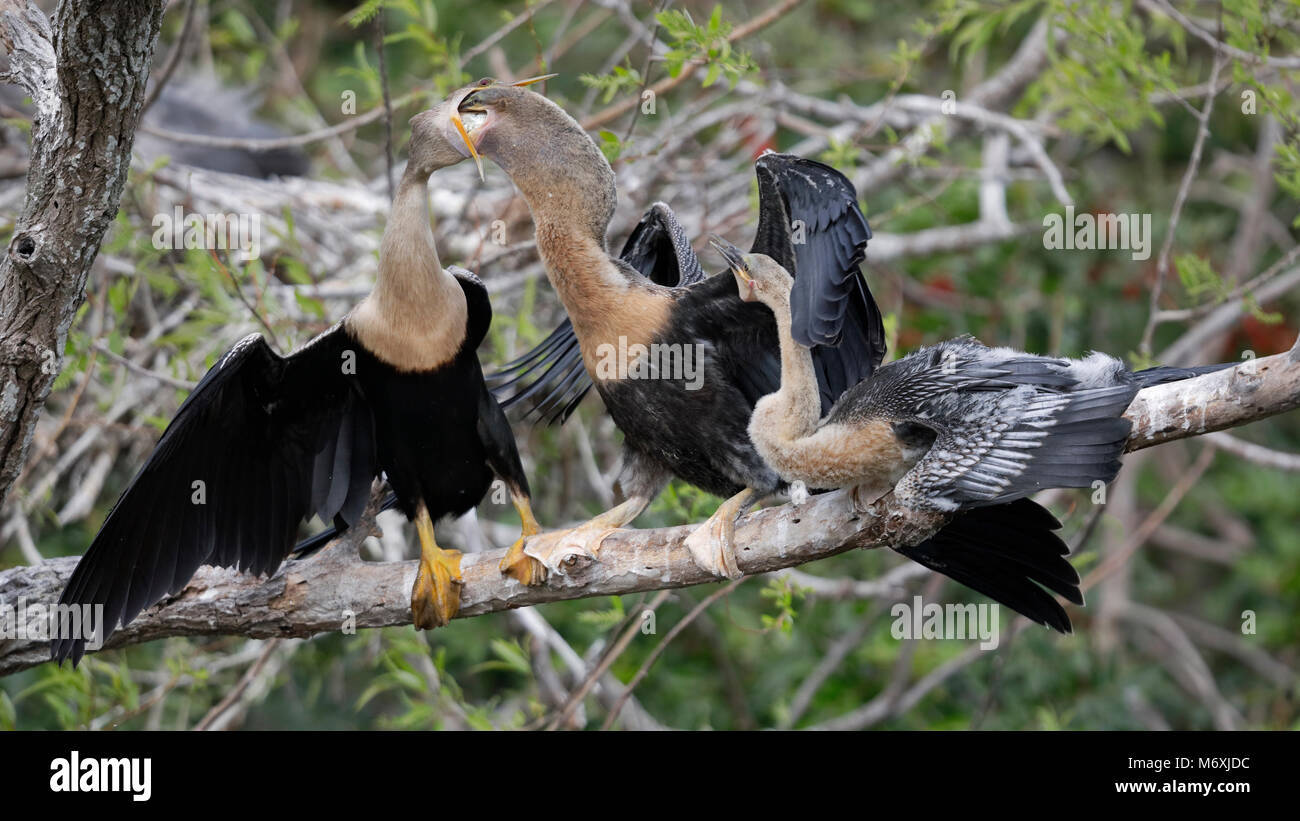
275	440
992	425
443	436
701	436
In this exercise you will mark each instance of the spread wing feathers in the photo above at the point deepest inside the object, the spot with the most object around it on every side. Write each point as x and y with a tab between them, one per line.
262	443
1006	552
659	249
550	380
810	222
1008	424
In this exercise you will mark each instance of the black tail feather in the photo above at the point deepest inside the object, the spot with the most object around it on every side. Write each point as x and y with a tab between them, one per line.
1006	552
1161	374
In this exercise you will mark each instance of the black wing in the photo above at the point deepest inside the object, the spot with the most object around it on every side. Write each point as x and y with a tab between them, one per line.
550	380
1009	553
262	443
659	249
478	307
810	222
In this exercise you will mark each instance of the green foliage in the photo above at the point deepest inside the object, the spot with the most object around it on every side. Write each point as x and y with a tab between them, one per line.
781	592
1100	86
610	145
976	27
620	80
366	12
841	154
605	619
1199	279
707	44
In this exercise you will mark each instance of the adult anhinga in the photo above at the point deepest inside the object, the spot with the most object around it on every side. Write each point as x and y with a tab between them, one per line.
1006	551
264	441
670	428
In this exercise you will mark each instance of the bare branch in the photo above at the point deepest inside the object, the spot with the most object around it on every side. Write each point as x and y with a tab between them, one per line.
762	21
1258	454
319	593
1193	167
1220	47
173	58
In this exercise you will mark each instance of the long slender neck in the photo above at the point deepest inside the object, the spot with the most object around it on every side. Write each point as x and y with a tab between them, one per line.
415	318
578	266
410	272
570	191
571	195
799	398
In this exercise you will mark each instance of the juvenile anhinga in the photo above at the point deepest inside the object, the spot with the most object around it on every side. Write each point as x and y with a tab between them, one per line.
950	426
670	428
956	426
264	441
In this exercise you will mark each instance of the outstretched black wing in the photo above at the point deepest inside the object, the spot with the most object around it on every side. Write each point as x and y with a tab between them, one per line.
549	381
810	222
262	443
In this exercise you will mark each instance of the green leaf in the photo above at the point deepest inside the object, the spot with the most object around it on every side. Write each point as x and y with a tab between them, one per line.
610	145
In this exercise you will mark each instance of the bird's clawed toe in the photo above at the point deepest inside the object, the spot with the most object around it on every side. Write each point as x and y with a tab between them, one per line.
712	547
521	567
435	597
863	496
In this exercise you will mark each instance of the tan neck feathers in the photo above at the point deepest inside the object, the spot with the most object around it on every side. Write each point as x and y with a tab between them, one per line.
607	306
415	318
800	394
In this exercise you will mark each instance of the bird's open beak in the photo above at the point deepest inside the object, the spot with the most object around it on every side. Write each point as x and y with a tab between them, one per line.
459	123
736	262
469	143
464	105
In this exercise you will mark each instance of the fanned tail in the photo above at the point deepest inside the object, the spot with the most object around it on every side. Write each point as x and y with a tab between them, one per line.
1011	554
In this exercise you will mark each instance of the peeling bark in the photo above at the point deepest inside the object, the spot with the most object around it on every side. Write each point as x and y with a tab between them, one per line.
323	592
1256	389
86	77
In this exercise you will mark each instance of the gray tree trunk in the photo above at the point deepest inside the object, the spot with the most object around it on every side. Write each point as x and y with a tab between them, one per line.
87	81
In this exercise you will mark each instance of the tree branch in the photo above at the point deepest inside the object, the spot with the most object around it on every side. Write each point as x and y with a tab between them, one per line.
616	110
323	592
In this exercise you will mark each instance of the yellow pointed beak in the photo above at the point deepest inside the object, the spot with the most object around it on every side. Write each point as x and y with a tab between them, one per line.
732	256
531	80
460	123
469	143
